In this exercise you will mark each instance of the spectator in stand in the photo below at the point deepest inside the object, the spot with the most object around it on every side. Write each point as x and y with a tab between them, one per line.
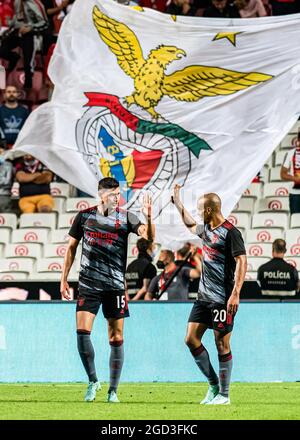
179	286
189	250
159	5
6	182
221	9
181	7
250	8
284	7
12	115
30	19
141	271
34	179
277	277
290	172
52	9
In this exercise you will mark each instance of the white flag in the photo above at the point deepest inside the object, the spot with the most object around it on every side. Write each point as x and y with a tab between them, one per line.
154	99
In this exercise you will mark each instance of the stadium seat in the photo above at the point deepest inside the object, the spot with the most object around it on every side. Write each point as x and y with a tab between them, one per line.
4	235
79	203
46	276
60	235
254	190
292	238
295	221
271	219
280	157
281	189
23	250
294	261
17	265
132	251
259	249
15	190
253	263
37	82
59	204
132	238
66	220
240	220
36	235
43	95
1	249
263	235
8	220
245	204
288	141
274	204
49	265
55	250
292	235
275	174
13	276
44	220
60	189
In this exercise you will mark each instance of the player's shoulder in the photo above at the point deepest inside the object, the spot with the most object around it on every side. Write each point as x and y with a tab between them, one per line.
88	210
230	227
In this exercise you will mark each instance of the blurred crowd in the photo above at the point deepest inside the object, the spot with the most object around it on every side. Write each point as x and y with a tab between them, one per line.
224	8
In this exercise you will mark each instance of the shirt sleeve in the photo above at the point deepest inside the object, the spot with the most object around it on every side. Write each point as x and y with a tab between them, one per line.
133	222
236	243
153	286
150	272
76	230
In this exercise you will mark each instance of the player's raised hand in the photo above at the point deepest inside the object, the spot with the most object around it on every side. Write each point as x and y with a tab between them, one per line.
175	198
65	290
147	205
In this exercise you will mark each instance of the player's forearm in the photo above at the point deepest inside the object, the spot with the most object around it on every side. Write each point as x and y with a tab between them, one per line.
68	261
240	272
187	218
150	231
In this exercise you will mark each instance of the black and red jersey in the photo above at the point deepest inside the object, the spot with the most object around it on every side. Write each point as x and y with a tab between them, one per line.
220	246
104	247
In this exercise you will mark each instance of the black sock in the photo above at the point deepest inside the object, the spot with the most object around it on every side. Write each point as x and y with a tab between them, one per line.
201	357
115	364
87	354
225	363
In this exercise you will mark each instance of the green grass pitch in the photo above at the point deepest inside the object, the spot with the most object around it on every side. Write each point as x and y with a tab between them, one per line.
146	401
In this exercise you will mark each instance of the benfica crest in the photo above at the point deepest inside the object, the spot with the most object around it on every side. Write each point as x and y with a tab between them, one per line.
127	138
143	154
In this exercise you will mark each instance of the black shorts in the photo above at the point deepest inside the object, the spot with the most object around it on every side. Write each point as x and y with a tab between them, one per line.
114	303
213	315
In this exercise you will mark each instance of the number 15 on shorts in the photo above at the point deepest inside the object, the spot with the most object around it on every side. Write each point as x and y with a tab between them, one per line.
121	302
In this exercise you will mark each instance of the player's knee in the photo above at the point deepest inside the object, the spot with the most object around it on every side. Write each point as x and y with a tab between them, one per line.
222	346
116	338
190	342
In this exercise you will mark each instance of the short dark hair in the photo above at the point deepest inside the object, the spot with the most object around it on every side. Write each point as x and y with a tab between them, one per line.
143	245
108	183
184	250
279	246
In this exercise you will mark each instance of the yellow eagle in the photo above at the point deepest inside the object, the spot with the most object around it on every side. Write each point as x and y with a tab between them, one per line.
151	82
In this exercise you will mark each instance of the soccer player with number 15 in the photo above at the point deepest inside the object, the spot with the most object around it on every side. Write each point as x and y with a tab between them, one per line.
104	231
